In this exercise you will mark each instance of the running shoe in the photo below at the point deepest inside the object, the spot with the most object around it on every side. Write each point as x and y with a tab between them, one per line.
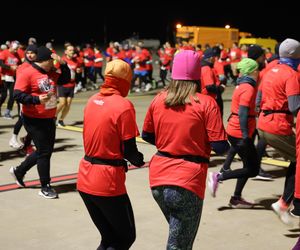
213	183
48	192
17	176
239	202
282	211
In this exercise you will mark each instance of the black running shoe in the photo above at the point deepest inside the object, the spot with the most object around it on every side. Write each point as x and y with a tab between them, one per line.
48	192
239	202
18	177
262	175
61	123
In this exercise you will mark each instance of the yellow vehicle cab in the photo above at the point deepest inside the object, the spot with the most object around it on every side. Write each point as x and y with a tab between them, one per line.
263	42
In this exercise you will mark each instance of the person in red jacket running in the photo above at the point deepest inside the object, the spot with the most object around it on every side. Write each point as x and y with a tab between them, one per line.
109	138
9	61
36	89
98	63
30	56
280	89
178	170
240	129
66	91
296	201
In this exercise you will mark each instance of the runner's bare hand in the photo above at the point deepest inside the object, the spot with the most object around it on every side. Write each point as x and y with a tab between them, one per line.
44	98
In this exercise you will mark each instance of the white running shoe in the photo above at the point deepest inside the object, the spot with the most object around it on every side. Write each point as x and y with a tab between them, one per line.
15	144
282	213
148	87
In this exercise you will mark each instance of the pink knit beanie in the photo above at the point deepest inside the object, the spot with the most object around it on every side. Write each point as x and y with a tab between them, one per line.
186	66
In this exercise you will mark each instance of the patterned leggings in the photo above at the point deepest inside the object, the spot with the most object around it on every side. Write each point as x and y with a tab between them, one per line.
182	209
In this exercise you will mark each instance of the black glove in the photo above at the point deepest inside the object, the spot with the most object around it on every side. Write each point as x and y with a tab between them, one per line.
132	154
296	209
137	160
221	88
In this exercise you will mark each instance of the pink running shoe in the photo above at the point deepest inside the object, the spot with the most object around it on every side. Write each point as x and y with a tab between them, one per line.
213	183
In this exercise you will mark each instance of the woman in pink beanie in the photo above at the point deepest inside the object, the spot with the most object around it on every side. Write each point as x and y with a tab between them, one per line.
183	125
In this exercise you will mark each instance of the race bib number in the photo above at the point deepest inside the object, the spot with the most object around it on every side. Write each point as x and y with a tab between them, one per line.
9	78
51	104
73	74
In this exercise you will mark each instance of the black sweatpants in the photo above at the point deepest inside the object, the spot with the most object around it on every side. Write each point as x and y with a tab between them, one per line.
42	132
113	216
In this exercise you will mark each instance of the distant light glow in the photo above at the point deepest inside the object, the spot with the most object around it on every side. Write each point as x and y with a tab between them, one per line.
227	26
178	25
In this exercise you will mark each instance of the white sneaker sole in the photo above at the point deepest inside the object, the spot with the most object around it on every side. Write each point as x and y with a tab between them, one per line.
258	177
47	197
240	206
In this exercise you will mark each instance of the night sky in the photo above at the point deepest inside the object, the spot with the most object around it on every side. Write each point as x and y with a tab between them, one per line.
98	24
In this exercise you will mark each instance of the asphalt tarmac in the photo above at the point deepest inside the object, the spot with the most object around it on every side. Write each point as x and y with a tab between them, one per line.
31	222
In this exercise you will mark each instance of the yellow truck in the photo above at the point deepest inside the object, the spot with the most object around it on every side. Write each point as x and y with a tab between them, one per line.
216	35
207	35
263	42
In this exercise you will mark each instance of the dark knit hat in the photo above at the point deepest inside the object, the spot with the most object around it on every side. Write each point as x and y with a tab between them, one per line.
43	54
216	50
208	53
32	47
255	51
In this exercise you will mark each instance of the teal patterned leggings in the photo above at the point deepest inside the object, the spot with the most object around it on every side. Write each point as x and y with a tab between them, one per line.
182	209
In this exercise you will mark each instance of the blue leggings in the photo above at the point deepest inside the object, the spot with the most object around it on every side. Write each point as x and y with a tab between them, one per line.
182	209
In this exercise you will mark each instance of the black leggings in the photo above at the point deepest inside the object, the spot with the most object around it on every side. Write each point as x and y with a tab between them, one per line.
289	184
141	79
113	216
260	149
18	125
98	72
250	164
163	75
10	87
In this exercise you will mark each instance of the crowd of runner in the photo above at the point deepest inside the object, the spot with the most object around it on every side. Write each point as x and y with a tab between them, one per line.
264	105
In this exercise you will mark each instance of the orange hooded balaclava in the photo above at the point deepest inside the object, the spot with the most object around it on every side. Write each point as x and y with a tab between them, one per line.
118	76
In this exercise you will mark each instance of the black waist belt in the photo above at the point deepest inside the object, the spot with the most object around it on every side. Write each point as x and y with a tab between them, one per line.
249	116
268	112
111	162
192	158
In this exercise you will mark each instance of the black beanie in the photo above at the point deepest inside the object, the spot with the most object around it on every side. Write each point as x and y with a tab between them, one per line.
217	50
32	47
208	53
43	54
255	51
